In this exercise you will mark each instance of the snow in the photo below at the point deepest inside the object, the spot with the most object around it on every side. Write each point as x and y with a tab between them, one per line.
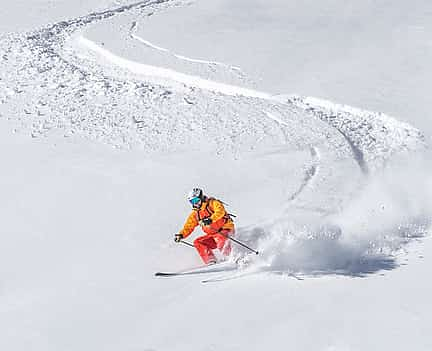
373	55
162	73
111	111
181	57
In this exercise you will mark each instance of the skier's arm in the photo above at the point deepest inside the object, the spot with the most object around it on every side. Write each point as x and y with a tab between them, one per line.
218	210
190	225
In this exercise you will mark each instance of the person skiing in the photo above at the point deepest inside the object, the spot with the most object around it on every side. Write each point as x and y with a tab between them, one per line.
214	220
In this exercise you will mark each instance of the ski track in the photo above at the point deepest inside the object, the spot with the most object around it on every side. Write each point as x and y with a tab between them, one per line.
373	137
167	74
357	153
57	28
309	175
310	171
181	57
239	275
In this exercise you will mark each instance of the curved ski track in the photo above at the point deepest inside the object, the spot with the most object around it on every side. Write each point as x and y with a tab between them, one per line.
212	65
310	171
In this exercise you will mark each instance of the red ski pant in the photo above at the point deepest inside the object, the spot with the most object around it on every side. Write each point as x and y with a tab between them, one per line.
205	244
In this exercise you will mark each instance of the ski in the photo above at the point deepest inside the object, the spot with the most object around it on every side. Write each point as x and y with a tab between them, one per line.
243	269
243	272
225	277
213	268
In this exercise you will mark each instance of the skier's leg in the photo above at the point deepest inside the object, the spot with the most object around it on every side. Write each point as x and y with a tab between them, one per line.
205	244
223	243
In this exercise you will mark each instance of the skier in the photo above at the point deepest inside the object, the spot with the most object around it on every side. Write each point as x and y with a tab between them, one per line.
211	215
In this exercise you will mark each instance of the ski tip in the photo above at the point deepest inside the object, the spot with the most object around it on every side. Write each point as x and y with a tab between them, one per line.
161	274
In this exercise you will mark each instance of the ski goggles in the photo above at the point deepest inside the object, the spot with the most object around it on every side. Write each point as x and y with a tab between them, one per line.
194	200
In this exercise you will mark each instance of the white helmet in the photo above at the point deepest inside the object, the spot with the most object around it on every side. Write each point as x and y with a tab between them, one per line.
195	196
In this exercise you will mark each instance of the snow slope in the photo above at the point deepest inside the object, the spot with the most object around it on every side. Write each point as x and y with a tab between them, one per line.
336	198
369	54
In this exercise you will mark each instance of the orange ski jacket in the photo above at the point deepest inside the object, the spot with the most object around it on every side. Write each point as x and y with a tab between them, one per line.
213	209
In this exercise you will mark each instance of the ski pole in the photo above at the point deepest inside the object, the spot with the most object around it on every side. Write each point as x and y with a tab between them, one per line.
240	243
186	243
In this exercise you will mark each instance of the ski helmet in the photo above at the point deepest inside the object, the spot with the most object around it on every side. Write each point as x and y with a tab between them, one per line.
195	196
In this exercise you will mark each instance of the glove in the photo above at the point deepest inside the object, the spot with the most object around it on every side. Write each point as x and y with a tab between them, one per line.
206	221
178	237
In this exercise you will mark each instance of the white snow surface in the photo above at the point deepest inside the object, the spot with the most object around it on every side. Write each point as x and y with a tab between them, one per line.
110	111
